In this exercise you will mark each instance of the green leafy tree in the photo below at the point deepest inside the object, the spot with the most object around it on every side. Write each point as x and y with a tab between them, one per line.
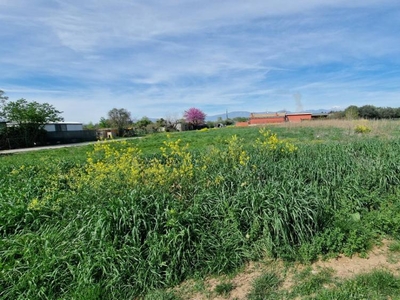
161	123
89	126
351	112
143	122
30	117
368	112
228	122
387	112
120	118
210	124
240	119
2	97
104	123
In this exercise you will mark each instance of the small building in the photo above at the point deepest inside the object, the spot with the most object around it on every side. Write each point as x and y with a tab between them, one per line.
67	132
107	133
298	117
321	115
63	126
56	133
257	118
181	126
271	118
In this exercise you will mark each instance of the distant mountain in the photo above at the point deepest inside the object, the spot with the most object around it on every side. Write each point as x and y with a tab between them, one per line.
313	111
231	115
319	111
246	114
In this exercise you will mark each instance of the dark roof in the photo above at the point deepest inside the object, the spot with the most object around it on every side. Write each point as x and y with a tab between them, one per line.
320	114
299	113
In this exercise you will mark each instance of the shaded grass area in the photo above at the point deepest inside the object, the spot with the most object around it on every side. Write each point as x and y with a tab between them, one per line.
72	228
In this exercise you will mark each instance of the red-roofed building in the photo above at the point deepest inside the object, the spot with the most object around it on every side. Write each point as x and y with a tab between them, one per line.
298	117
256	118
273	118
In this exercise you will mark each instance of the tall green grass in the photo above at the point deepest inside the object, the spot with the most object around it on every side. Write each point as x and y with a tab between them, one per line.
114	240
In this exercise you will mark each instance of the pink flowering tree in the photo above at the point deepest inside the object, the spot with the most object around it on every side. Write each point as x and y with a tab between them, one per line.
194	116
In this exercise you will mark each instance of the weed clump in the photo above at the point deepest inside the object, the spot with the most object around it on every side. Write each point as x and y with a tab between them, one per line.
224	288
362	129
265	287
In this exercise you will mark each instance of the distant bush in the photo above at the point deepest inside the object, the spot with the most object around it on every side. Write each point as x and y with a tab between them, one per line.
362	129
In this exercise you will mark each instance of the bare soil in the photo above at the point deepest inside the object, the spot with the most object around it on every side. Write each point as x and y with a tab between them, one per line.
343	268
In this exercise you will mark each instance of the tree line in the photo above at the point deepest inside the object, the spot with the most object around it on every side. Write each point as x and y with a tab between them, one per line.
120	118
27	119
193	118
30	118
367	112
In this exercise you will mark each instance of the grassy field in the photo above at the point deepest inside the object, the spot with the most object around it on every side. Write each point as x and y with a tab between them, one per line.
129	219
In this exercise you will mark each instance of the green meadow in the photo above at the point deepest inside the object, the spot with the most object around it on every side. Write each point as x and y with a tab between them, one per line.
132	219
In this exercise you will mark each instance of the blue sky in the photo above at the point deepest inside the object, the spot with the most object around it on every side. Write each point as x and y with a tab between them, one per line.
159	58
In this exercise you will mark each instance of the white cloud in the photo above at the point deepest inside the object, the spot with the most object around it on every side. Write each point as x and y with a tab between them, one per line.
158	57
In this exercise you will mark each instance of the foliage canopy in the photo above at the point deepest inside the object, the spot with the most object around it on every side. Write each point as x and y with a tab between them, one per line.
2	97
143	122
120	118
23	112
368	112
194	116
29	116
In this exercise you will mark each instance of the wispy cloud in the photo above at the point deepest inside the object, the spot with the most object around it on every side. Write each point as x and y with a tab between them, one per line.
160	57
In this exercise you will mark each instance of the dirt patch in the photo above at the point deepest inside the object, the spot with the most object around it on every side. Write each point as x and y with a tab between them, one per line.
343	267
241	282
379	258
346	267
